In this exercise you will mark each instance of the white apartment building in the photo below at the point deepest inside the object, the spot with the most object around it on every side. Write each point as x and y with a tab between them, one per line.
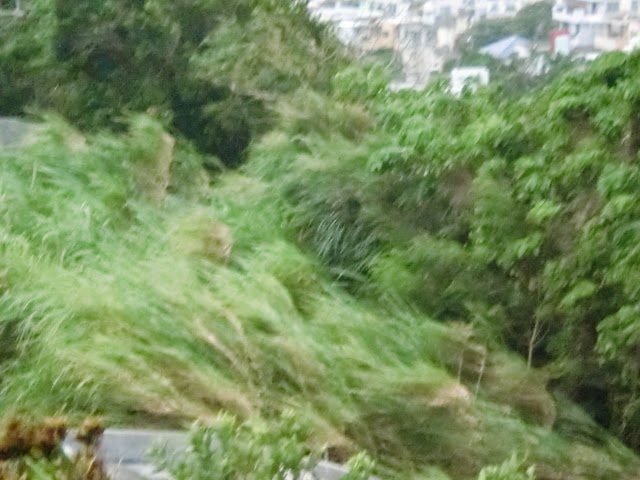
347	16
423	33
402	25
471	77
444	9
603	25
496	8
475	10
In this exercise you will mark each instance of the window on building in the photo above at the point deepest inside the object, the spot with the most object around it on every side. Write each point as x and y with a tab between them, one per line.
411	38
634	6
613	7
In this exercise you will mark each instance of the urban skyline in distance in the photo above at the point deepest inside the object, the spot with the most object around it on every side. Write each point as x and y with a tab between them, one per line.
422	34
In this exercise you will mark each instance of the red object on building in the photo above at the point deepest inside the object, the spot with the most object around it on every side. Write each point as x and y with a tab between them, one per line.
553	35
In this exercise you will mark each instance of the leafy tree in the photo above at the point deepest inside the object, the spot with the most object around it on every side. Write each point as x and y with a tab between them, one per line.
252	450
93	62
514	214
511	469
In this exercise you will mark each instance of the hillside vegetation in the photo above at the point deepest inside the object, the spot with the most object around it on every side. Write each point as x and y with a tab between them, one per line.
443	282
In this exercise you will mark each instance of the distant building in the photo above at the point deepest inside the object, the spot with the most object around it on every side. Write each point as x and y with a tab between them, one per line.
467	77
560	42
599	25
497	8
633	34
476	10
508	48
416	44
376	35
347	16
423	33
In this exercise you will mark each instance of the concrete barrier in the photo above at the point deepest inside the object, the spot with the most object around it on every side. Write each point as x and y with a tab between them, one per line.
126	453
13	131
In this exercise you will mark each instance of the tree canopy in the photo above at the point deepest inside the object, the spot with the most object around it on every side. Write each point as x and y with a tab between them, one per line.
92	62
448	282
517	215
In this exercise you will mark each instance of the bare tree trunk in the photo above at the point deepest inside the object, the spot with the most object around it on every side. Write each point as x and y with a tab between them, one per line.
480	374
534	338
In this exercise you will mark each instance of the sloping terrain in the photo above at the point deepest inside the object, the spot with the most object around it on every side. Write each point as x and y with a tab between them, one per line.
159	302
242	220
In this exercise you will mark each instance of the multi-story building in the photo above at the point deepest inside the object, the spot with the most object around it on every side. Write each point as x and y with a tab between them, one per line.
497	8
444	9
400	25
347	16
602	25
423	33
476	10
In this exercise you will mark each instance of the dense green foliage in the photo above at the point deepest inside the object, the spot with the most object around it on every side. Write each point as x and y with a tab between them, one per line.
512	469
251	450
514	215
447	283
116	306
207	68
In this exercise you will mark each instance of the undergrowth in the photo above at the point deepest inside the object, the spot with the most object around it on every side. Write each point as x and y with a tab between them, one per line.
159	309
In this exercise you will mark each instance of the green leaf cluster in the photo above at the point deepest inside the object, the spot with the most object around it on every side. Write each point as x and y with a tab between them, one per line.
511	469
231	449
515	215
412	269
208	69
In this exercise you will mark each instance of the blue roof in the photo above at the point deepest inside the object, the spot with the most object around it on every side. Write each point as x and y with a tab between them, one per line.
505	48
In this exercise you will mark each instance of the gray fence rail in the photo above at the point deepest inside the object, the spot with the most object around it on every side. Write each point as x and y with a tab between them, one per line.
13	131
126	453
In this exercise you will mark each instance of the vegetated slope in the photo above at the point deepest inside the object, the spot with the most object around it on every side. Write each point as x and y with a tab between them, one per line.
522	216
134	288
206	67
517	217
372	266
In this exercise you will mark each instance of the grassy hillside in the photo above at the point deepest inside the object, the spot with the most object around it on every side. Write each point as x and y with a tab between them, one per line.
120	297
444	282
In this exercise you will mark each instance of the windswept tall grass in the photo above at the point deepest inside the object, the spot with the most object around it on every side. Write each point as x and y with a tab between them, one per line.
117	303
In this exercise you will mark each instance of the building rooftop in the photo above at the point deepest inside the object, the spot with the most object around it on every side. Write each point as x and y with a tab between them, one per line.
506	47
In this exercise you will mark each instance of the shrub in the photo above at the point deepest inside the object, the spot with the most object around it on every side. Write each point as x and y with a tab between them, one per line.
249	450
512	469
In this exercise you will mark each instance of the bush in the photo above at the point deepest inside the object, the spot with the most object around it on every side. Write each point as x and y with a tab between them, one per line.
250	450
511	469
